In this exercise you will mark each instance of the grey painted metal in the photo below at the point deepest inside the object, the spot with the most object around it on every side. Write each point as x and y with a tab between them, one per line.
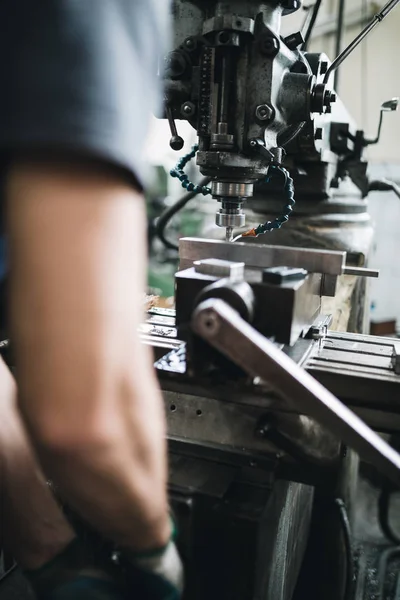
222	327
236	425
261	256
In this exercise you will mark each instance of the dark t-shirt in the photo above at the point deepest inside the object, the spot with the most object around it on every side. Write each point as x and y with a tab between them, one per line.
80	75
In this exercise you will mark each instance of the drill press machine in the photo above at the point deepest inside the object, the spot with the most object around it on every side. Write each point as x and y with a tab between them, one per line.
257	444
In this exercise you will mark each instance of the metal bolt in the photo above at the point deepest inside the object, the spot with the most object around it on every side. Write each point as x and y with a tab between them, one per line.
188	109
190	44
210	323
264	112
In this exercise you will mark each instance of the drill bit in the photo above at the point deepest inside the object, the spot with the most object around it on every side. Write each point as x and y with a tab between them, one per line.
229	234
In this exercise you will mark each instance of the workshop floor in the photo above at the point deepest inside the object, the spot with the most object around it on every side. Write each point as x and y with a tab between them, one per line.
370	545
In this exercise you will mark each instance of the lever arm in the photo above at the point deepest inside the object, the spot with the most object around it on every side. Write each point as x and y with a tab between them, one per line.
222	327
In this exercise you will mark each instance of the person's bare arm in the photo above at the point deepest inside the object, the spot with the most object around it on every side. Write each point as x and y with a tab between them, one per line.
32	526
87	389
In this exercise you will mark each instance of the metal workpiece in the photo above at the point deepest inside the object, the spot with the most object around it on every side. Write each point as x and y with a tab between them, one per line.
361	272
221	326
328	262
220	268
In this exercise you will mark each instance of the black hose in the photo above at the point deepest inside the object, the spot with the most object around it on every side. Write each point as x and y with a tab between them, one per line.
345	524
384	185
171	211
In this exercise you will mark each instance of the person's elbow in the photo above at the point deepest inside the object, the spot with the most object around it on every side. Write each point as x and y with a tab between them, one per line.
74	437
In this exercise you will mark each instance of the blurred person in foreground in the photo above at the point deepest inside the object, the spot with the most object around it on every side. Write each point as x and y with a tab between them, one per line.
79	78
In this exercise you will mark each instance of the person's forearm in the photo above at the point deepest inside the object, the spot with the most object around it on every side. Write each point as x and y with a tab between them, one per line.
87	388
124	469
32	525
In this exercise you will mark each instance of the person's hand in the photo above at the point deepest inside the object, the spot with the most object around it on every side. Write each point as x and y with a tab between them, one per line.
155	575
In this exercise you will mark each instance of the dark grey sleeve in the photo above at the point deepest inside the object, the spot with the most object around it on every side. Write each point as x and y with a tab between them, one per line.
80	75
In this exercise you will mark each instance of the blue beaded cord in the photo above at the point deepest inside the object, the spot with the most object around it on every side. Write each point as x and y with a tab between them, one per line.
179	173
277	223
288	187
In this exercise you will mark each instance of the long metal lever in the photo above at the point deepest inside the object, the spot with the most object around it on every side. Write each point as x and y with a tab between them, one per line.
378	18
222	327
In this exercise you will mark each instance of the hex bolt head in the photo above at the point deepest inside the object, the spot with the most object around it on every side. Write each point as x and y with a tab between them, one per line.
329	98
264	112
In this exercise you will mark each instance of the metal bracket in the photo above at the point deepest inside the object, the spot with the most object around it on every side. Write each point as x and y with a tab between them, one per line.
222	327
396	358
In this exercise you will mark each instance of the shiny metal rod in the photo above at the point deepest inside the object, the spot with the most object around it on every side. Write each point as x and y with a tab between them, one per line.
229	234
361	36
361	272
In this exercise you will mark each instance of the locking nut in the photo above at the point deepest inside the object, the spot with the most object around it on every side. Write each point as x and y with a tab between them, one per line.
264	112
